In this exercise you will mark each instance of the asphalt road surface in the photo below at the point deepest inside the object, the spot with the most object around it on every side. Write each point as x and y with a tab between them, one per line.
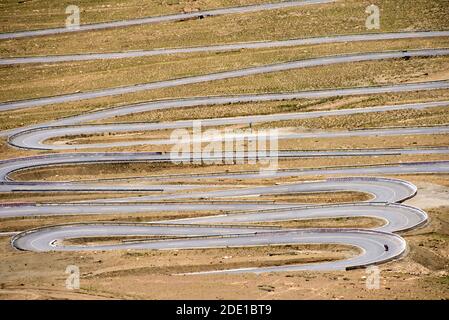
226	47
278	67
205	101
36	138
161	19
233	205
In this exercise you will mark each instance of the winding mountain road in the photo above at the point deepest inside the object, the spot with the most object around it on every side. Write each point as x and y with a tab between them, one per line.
230	228
162	19
278	67
226	47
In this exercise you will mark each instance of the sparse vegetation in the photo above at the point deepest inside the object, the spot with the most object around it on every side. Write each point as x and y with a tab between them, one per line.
421	274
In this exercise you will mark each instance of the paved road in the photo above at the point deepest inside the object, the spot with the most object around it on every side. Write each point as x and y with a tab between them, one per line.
36	139
224	230
226	47
383	190
431	167
9	166
397	217
161	19
389	191
371	242
278	67
206	101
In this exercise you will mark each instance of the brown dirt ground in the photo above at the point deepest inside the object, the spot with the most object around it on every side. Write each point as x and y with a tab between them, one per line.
422	274
358	74
342	17
133	171
300	105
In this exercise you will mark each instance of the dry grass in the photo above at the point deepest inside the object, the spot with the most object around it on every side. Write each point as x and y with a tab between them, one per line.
129	274
26	223
29	15
132	171
334	76
260	108
338	18
353	222
37	80
318	197
422	274
360	74
434	140
63	197
407	118
439	179
401	141
428	246
427	117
